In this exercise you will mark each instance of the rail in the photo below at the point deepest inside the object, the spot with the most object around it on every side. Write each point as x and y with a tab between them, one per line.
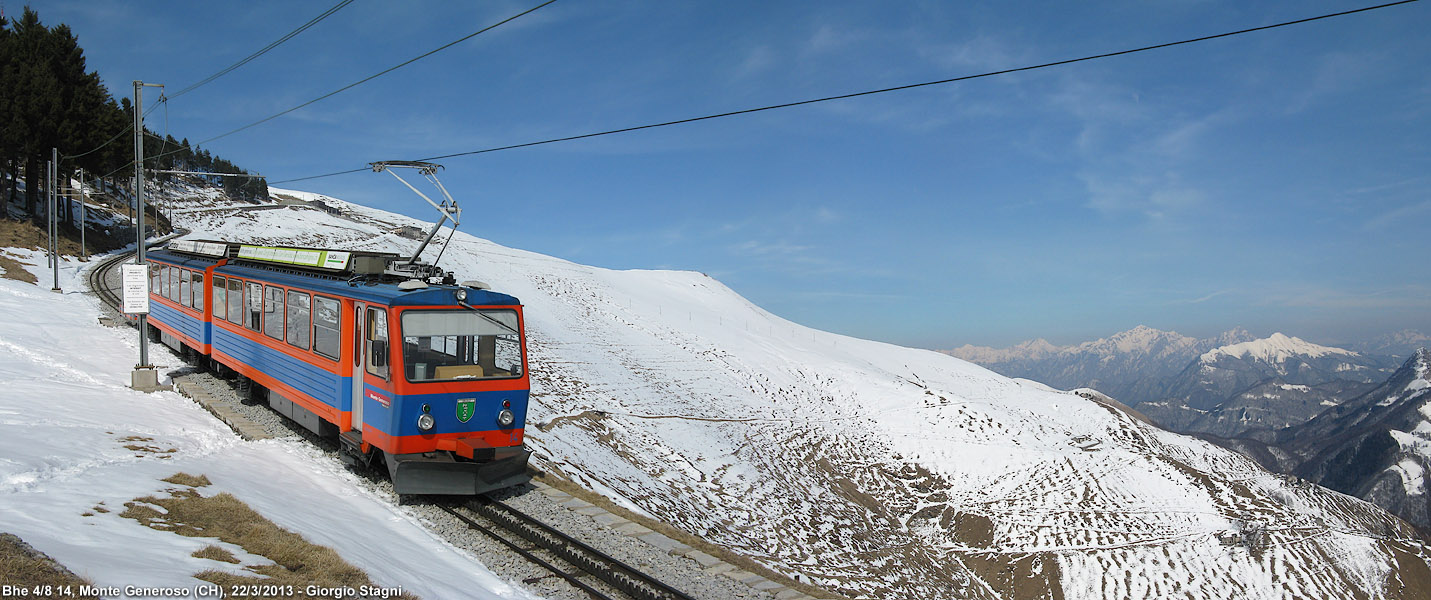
99	277
593	562
515	523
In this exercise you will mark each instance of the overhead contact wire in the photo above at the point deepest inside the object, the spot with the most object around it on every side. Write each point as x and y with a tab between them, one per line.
221	73
384	71
311	22
882	90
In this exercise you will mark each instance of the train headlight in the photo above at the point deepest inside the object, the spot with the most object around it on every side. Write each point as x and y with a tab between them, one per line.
506	418
461	295
425	422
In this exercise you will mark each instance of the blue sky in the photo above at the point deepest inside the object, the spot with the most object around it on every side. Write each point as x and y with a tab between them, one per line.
1276	181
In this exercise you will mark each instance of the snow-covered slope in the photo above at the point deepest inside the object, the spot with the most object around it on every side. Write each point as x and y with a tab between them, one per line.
76	444
1276	348
875	470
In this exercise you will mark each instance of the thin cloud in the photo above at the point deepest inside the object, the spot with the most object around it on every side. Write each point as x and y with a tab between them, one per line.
1411	296
1404	214
1209	296
758	248
758	60
1337	72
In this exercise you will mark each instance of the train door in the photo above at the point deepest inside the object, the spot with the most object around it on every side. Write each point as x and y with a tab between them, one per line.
359	369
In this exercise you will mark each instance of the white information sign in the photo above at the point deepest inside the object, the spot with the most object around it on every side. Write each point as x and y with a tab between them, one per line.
136	289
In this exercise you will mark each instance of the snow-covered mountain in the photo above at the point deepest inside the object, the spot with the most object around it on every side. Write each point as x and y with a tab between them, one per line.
1376	446
1259	411
874	470
1132	366
1267	383
1276	350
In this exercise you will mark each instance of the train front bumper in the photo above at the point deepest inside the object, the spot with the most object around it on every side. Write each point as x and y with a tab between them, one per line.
439	473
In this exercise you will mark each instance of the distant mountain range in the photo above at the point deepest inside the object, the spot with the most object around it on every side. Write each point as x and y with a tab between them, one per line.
1230	385
1133	366
1376	446
1349	420
1263	384
1400	344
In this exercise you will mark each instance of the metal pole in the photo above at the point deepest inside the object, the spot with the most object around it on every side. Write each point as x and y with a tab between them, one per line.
49	233
84	254
55	216
139	206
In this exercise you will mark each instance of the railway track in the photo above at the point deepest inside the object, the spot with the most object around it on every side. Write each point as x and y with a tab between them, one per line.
585	568
516	525
99	279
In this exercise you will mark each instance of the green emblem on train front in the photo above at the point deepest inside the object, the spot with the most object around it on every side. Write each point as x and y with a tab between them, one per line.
466	407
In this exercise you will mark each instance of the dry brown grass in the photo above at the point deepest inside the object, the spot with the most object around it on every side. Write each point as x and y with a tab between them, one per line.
21	565
12	269
141	450
182	478
297	562
25	234
218	553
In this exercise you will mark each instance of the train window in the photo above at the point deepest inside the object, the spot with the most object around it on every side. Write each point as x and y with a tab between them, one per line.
220	303
377	342
236	301
171	284
197	287
183	288
273	312
298	319
156	273
255	306
443	345
326	326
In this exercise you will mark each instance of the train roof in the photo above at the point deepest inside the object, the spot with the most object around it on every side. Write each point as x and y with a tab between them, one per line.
365	289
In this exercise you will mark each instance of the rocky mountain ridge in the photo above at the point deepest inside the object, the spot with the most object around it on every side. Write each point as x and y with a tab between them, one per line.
1375	446
1229	386
1132	366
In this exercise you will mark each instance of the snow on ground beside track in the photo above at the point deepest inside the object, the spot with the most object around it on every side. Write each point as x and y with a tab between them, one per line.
66	415
876	470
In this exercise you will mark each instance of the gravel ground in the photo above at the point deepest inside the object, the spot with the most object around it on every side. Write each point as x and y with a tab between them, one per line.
682	572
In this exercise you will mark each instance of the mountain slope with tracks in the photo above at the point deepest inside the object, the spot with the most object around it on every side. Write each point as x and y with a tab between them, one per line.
870	469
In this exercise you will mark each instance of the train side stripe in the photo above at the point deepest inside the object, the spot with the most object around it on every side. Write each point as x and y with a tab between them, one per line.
305	378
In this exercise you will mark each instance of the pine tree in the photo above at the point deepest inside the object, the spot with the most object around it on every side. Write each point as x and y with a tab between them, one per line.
49	100
9	143
36	100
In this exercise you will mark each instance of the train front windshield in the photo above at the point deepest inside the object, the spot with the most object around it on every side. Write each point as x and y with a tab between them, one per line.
455	345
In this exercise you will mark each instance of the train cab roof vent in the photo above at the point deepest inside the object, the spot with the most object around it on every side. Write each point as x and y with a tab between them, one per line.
412	284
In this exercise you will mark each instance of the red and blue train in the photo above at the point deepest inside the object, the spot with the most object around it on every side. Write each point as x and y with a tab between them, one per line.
389	355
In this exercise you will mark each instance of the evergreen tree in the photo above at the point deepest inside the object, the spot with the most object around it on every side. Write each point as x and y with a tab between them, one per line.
9	142
49	100
35	100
